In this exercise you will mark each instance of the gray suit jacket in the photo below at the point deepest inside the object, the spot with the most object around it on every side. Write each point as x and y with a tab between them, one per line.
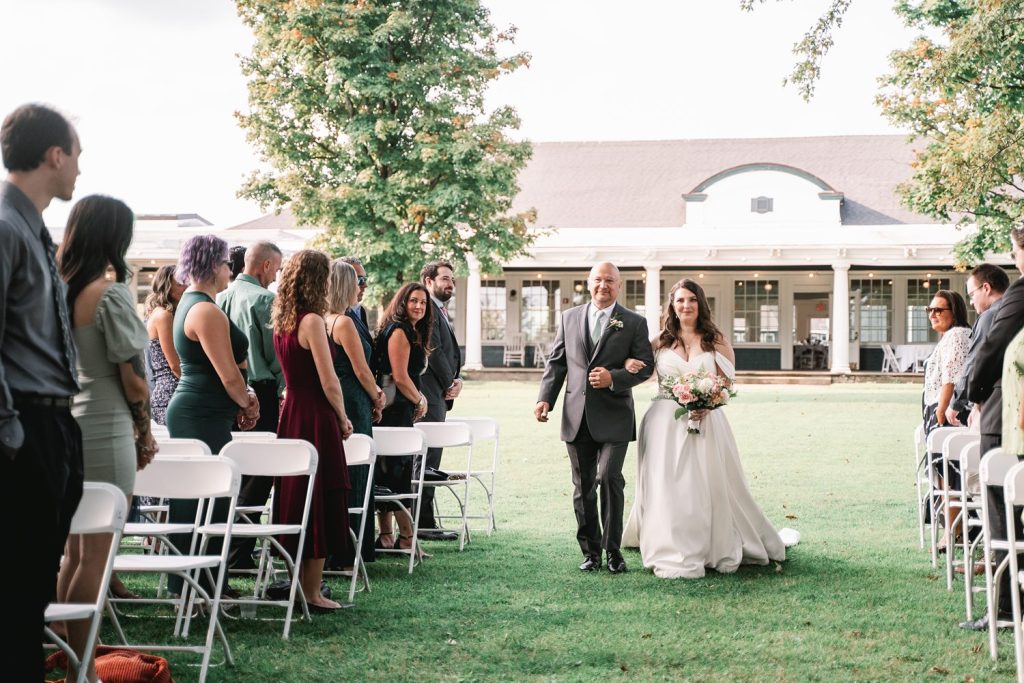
985	383
978	333
609	412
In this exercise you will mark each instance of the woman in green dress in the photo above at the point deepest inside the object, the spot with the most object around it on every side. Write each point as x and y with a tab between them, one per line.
212	392
113	407
364	400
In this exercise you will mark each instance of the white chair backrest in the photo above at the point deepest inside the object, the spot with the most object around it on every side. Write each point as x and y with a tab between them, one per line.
939	435
188	477
919	434
970	458
103	509
398	441
483	427
955	444
253	436
445	434
359	450
994	466
277	458
515	342
171	447
159	430
1013	486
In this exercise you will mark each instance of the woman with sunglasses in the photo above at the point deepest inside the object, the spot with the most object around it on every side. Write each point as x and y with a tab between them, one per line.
947	314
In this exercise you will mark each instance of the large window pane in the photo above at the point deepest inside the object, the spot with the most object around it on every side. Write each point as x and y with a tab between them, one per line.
756	311
919	295
539	309
636	296
492	309
580	293
875	309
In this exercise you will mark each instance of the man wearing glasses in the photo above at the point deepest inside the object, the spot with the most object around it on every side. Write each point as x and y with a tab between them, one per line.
356	311
985	288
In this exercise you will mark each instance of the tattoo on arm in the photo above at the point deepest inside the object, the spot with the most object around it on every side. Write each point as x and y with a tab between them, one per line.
141	416
139	366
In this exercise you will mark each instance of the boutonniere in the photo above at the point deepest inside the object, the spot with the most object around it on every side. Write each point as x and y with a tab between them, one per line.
614	322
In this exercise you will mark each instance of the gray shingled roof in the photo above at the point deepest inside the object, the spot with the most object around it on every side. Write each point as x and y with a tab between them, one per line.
639	184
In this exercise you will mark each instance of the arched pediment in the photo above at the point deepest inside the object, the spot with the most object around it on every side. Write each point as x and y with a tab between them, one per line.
761	194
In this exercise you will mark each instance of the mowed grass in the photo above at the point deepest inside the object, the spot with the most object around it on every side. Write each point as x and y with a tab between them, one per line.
856	600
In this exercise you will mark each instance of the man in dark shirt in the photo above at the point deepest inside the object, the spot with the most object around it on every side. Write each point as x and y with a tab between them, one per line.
40	443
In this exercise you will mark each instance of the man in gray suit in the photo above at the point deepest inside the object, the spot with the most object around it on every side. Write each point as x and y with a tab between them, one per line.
985	388
985	288
598	419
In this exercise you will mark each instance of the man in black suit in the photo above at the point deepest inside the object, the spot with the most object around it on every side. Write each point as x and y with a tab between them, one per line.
985	388
440	383
598	418
356	312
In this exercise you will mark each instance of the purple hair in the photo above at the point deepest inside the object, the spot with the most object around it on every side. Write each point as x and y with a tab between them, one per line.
200	258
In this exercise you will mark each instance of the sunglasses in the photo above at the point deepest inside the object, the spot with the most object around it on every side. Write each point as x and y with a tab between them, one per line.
361	280
935	311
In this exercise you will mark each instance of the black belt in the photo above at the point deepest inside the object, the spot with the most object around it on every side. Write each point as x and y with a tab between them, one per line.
40	401
263	382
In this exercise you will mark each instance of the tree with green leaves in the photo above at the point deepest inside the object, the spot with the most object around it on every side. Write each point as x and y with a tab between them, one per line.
959	90
370	115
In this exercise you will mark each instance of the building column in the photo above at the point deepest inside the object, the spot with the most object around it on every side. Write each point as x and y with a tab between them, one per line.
652	299
841	318
474	350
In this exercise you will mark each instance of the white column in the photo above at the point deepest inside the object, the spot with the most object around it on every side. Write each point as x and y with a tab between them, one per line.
474	350
652	299
841	318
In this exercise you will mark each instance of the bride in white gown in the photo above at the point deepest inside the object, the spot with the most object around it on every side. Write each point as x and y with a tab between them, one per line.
693	509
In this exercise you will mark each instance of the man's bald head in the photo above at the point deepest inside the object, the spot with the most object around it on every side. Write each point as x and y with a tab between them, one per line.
262	261
604	283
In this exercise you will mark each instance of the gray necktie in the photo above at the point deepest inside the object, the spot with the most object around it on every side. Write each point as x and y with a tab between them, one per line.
63	322
595	334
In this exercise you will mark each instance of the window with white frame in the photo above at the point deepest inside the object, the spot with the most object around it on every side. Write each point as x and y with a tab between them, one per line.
756	311
875	309
919	295
493	310
539	310
636	295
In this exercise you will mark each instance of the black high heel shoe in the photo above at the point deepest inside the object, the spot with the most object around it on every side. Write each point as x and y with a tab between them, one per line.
379	545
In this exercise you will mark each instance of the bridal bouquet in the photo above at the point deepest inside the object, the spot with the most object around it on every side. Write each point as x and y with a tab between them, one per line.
698	390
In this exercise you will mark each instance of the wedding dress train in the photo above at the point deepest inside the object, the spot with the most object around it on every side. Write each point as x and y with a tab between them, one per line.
693	509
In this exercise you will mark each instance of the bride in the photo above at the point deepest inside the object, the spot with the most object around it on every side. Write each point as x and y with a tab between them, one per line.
693	509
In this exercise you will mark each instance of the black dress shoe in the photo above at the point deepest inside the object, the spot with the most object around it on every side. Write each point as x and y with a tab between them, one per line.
982	624
591	564
616	565
437	535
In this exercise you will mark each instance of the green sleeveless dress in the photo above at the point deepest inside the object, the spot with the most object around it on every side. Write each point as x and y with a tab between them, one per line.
200	409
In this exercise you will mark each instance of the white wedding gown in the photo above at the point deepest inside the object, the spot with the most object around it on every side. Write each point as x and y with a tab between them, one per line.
693	509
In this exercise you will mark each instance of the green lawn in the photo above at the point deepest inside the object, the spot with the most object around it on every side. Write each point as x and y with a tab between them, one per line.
856	600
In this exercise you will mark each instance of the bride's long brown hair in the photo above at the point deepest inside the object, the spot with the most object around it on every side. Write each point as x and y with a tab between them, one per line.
671	327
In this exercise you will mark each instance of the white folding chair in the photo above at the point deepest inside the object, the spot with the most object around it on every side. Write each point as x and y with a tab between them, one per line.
253	436
936	494
513	351
178	447
889	362
952	449
277	458
992	472
359	450
1013	494
203	480
970	502
485	429
398	442
159	431
102	510
921	479
451	435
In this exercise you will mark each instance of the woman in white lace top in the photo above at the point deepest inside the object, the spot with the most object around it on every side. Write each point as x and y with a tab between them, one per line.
947	313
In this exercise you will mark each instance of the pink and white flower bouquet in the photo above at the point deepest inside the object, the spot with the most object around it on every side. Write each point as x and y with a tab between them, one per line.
698	390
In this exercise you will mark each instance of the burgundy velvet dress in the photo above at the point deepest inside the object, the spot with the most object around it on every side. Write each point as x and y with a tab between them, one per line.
308	415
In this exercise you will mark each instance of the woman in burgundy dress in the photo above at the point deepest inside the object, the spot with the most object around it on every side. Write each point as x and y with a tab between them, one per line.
313	410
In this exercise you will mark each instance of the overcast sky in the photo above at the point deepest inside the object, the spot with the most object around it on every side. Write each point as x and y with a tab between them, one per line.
152	85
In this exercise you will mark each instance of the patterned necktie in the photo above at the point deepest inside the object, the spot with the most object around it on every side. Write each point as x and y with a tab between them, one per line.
595	334
61	304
